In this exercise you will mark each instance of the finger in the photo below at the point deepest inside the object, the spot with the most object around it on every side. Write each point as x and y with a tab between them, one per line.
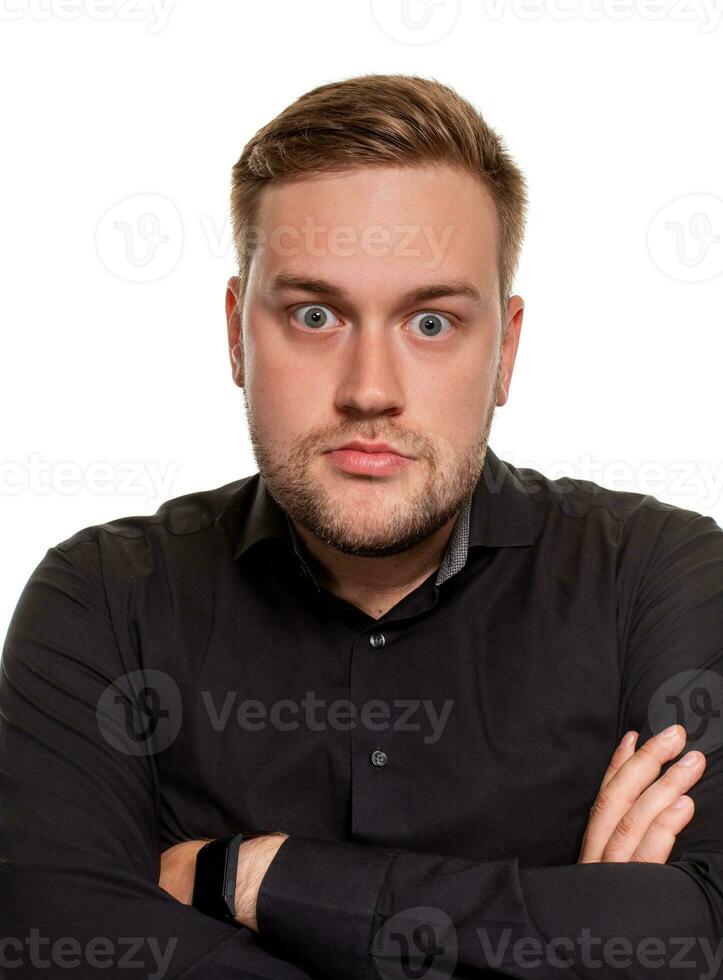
656	845
621	755
625	748
634	824
628	780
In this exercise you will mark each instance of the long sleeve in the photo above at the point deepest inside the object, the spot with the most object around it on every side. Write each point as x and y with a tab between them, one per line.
347	909
79	852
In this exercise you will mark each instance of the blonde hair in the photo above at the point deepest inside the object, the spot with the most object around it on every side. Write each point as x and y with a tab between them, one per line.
372	120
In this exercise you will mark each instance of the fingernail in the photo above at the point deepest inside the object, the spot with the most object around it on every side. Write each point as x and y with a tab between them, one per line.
680	803
669	732
689	759
627	740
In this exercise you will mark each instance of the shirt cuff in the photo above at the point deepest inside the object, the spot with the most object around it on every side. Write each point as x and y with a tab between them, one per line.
317	902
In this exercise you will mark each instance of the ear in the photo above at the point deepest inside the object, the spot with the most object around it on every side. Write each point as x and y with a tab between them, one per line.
510	342
234	330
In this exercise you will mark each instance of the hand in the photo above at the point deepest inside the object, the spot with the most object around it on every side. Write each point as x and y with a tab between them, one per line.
631	823
178	869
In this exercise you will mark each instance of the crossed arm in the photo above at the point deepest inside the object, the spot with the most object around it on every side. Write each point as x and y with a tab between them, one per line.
80	864
636	818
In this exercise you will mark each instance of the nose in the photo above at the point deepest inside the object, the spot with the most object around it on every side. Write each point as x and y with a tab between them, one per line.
370	381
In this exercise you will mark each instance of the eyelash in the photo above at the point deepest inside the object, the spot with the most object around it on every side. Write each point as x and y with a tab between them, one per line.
447	316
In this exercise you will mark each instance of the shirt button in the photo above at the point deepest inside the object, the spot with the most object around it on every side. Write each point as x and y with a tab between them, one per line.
377	640
379	758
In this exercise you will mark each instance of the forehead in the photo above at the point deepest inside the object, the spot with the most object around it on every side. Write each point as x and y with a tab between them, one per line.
380	223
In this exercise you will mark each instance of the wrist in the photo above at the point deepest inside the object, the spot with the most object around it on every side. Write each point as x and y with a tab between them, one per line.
254	858
216	875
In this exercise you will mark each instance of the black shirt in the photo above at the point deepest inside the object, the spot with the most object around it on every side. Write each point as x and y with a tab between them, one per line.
182	675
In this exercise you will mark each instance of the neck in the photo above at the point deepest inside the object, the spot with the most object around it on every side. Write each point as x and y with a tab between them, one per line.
374	584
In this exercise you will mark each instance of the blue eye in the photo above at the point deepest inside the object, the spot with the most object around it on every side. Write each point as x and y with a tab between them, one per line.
316	315
430	323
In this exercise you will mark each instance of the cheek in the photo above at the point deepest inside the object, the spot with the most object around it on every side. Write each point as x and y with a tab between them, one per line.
454	417
284	389
455	401
286	399
272	363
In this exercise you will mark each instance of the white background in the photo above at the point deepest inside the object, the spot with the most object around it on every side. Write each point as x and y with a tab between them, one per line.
117	355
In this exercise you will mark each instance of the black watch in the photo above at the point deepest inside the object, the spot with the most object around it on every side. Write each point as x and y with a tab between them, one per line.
214	883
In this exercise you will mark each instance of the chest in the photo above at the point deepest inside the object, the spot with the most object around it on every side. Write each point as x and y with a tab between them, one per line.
481	730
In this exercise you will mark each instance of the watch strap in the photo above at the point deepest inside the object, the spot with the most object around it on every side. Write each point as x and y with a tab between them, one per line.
214	885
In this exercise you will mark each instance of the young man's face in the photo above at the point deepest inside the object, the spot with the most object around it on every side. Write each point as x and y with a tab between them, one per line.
320	369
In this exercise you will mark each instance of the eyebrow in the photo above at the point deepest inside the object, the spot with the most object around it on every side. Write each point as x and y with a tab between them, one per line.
453	287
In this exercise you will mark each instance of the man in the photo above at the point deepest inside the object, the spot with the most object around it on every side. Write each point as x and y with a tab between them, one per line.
401	663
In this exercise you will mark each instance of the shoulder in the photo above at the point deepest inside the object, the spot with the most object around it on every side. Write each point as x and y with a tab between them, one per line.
191	530
185	515
625	514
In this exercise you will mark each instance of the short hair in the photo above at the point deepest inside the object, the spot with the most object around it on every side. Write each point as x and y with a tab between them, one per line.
375	119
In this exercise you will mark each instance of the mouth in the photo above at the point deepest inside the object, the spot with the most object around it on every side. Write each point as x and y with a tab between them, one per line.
372	448
375	459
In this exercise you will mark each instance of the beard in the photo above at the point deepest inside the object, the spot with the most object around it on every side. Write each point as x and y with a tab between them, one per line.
370	516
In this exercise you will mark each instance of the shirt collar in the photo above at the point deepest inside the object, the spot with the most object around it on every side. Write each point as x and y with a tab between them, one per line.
501	512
